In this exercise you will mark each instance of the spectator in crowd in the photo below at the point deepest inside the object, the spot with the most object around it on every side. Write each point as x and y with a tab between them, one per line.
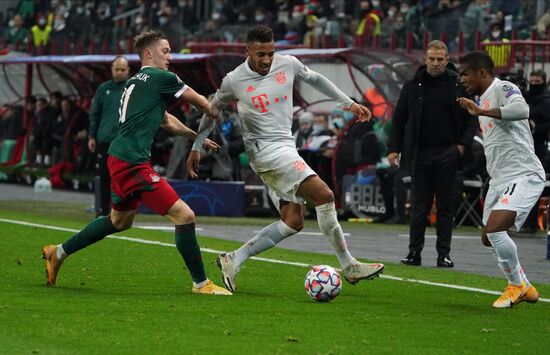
42	133
430	131
59	127
369	22
394	191
41	32
538	99
11	124
76	144
104	127
304	131
499	52
18	35
232	137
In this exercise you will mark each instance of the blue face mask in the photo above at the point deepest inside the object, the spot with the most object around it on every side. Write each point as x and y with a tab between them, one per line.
348	115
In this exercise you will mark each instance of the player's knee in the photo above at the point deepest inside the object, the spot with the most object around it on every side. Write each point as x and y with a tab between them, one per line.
325	196
485	240
120	223
294	222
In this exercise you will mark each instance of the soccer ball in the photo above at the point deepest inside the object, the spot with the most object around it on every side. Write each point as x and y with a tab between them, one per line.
323	283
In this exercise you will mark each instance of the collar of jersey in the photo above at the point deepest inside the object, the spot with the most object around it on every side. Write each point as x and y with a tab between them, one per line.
489	89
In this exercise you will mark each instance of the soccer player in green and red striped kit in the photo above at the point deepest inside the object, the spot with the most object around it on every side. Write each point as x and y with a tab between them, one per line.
142	110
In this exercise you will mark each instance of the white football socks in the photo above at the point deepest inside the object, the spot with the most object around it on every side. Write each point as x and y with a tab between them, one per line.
328	223
507	256
200	284
60	253
521	271
267	238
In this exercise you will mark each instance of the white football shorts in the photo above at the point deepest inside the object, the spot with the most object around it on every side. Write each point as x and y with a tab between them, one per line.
520	196
283	170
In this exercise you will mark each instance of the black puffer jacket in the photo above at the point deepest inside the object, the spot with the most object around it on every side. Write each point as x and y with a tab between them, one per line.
405	132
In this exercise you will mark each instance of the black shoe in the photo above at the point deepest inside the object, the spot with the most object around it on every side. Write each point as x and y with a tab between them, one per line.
443	260
412	259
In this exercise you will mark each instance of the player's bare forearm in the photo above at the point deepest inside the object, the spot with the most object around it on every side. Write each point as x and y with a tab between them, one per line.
174	126
195	99
475	110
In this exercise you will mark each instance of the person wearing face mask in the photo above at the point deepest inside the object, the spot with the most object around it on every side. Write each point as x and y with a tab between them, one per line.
500	53
41	32
369	25
538	99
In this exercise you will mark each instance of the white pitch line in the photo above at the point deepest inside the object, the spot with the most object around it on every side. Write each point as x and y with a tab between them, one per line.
312	233
160	228
274	261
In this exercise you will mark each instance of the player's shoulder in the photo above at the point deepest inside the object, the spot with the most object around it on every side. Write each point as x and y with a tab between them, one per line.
506	88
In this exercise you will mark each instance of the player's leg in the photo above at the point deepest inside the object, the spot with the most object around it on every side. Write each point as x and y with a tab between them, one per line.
511	208
95	231
291	222
316	191
164	201
507	257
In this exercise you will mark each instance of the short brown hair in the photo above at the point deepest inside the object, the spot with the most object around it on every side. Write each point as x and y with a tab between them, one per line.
540	73
145	39
437	44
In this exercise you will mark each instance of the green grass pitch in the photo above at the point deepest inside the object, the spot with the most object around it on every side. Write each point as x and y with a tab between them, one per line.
122	297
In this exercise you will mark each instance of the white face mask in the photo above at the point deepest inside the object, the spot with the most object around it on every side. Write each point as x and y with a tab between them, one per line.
216	16
163	20
495	34
42	22
11	23
375	3
296	15
259	18
391	13
404	9
317	128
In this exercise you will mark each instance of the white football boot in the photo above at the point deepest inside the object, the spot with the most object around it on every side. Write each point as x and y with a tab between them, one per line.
229	270
358	271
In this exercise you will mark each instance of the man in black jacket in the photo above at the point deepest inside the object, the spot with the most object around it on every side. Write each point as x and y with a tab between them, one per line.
538	99
430	132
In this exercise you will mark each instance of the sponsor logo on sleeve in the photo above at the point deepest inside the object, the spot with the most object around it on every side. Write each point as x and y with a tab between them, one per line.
512	92
507	87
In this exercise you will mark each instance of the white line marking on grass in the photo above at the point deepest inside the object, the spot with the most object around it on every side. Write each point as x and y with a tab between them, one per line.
274	261
160	228
311	233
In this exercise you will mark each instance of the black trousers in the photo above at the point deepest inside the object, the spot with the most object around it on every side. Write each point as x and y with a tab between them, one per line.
104	179
435	174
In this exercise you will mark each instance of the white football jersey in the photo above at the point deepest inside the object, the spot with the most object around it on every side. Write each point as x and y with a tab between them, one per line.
265	104
508	142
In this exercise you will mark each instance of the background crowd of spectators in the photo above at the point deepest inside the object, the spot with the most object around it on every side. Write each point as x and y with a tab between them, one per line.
304	22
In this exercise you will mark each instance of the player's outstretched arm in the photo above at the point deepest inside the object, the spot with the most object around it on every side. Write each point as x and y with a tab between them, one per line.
195	99
176	127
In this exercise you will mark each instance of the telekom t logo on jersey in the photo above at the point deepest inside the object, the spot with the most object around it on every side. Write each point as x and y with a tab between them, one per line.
262	101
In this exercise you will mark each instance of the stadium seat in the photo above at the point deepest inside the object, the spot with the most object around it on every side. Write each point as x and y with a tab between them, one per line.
472	196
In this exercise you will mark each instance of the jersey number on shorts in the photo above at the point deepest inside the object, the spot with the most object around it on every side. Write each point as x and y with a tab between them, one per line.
124	102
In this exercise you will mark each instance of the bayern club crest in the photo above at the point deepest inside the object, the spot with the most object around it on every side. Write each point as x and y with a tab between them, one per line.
280	77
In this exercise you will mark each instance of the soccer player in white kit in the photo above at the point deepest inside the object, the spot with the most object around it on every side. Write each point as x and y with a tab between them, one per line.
517	176
263	87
